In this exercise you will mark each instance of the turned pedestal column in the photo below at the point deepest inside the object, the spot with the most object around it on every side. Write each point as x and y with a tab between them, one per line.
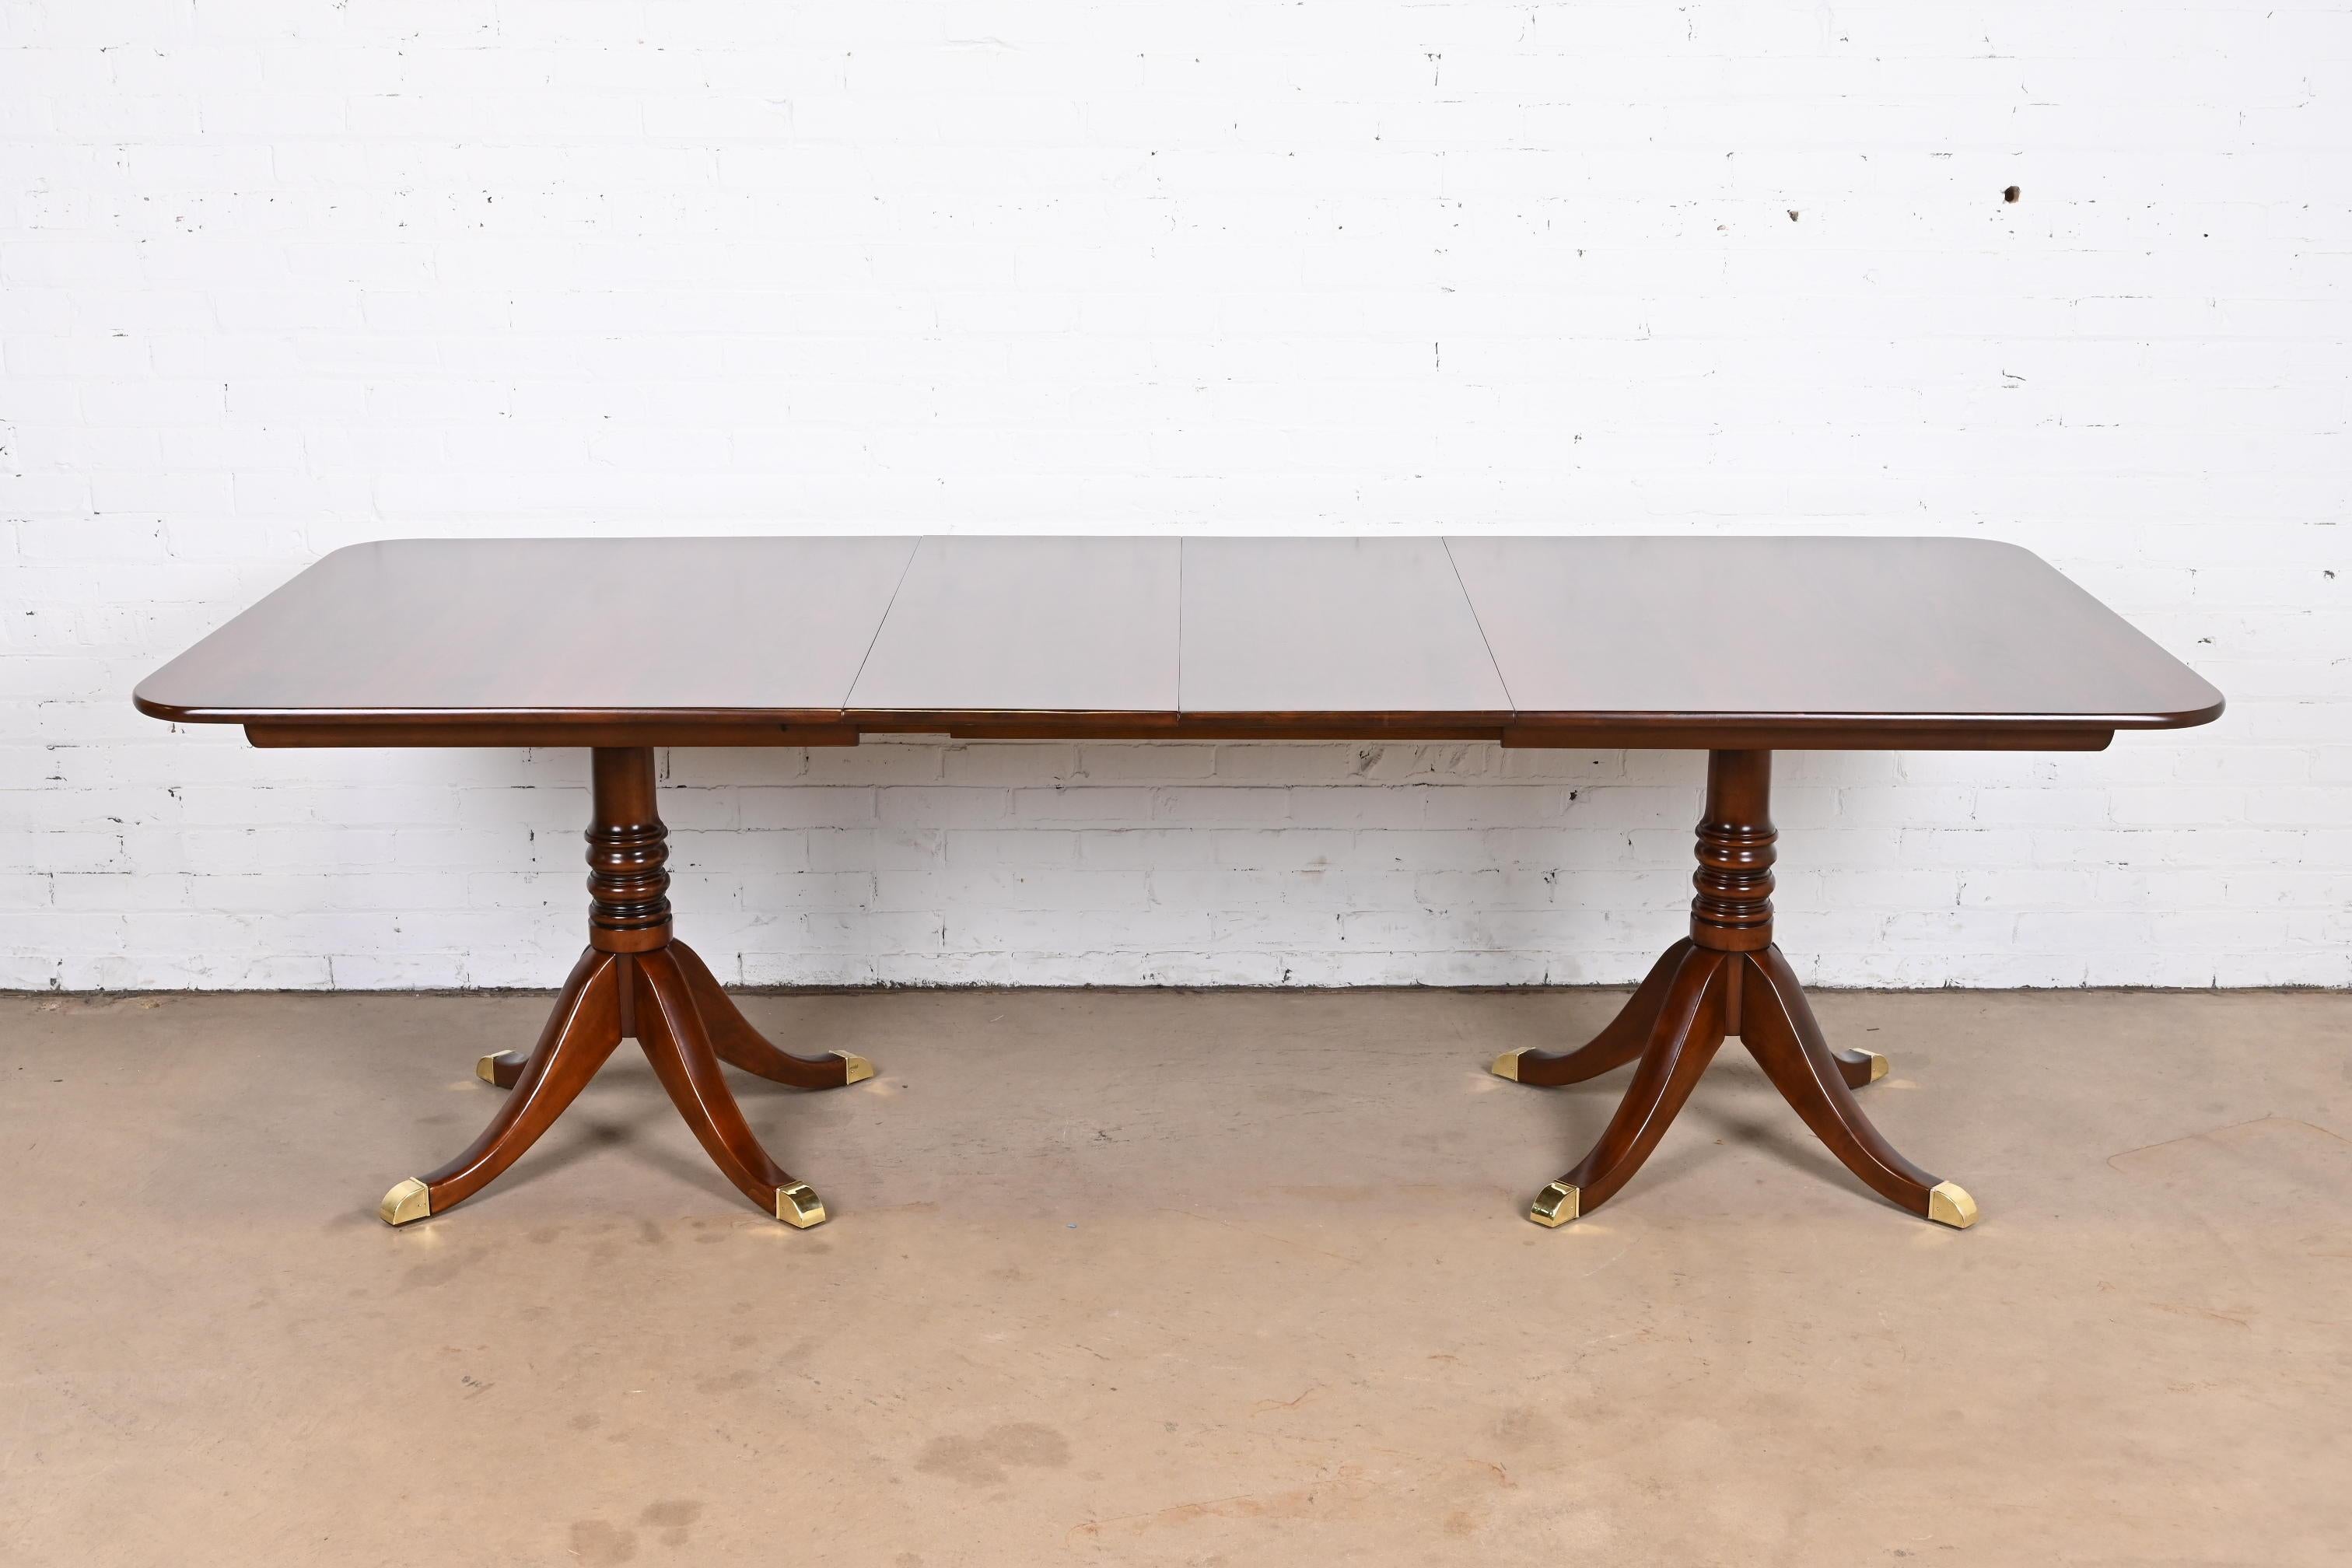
635	981
1725	978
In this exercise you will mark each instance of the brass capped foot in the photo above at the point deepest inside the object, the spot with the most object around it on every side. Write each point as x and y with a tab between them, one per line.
860	1070
487	1068
798	1206
1948	1204
1556	1204
1508	1065
410	1200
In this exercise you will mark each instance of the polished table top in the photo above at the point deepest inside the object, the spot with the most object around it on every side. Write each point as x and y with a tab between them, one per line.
1590	640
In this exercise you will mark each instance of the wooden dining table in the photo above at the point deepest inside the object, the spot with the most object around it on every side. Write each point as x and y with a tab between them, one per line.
1738	646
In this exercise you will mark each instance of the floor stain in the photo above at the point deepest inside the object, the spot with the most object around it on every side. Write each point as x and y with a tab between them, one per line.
2270	1173
2207	1313
1261	1406
673	1517
2236	1134
600	1546
981	1460
1525	1426
1343	1491
441	1271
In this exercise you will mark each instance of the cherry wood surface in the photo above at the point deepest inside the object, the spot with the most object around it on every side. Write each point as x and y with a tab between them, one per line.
414	631
1712	643
1026	625
1327	627
1827	630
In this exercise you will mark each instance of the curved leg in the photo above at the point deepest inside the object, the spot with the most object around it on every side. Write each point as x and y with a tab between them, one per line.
580	1034
732	1036
1683	1039
1613	1046
1787	1042
671	1030
738	1044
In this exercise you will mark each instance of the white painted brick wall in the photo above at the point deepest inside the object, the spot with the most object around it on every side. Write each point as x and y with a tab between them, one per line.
275	276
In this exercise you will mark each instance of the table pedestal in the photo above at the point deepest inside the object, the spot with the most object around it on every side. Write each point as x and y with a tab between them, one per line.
635	981
1726	978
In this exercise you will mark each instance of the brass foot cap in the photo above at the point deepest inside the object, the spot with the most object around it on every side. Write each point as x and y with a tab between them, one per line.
1556	1204
860	1070
410	1200
487	1069
798	1206
1949	1204
1508	1065
1877	1065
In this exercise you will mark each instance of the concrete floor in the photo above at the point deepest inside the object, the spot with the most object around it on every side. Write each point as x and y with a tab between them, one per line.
1152	1278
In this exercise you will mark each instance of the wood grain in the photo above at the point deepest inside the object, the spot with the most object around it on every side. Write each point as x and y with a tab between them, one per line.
1966	632
425	630
1028	625
1712	643
1285	627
